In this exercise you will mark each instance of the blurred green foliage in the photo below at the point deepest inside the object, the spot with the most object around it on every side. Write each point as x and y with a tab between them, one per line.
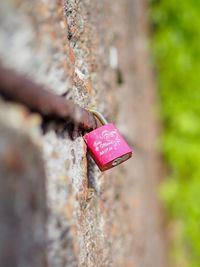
176	51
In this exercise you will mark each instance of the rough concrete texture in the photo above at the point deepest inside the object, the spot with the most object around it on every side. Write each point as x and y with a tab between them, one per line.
22	194
87	51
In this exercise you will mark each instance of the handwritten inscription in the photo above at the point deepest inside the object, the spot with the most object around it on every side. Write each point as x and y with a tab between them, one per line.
107	141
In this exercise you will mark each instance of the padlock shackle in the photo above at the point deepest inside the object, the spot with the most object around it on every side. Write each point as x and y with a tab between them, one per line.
99	116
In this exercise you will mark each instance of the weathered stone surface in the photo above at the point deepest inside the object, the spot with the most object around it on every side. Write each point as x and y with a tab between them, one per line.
22	200
94	54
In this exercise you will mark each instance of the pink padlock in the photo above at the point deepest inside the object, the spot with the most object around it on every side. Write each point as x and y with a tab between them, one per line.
106	146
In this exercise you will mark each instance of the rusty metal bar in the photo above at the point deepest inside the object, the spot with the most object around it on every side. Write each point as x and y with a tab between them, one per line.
19	88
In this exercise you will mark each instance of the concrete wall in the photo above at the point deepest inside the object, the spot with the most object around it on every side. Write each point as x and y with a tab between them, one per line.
96	54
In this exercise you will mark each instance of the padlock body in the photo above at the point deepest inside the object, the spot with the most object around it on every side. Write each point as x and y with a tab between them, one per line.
107	147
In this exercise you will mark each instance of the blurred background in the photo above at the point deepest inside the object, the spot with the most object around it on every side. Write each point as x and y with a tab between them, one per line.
138	63
175	49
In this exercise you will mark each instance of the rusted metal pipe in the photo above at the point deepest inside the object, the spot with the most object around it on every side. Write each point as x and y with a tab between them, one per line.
18	88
